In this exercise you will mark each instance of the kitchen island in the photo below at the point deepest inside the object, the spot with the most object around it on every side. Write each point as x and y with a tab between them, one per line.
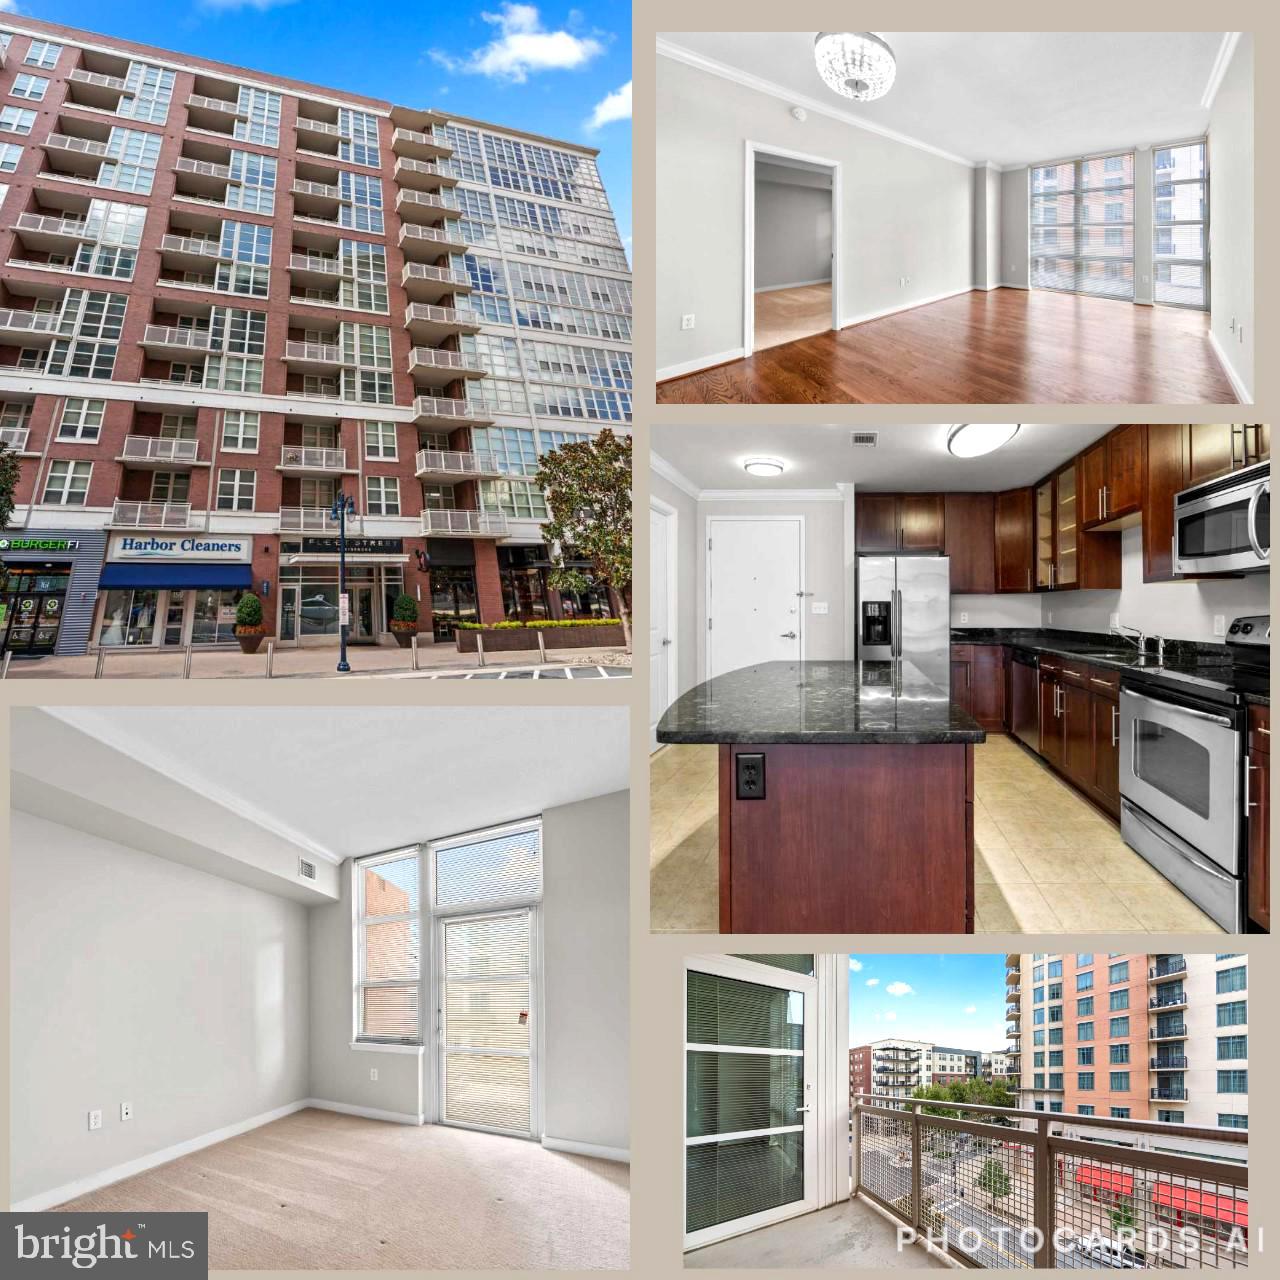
846	797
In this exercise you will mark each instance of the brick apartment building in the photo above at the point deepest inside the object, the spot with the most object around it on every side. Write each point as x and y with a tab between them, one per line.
896	1068
228	298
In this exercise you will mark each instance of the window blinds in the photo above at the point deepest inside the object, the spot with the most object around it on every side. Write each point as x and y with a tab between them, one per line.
1180	242
498	866
1081	224
389	948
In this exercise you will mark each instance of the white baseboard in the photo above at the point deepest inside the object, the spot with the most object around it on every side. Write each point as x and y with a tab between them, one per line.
792	284
620	1154
117	1173
1008	284
1243	394
369	1113
703	362
906	306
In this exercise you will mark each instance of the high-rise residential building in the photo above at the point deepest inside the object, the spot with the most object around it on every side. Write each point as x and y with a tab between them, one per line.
1133	1037
231	298
995	1066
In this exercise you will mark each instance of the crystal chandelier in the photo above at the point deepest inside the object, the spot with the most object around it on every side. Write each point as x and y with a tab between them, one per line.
857	64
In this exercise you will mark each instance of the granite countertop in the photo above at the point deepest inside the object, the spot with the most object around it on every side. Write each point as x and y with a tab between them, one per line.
820	702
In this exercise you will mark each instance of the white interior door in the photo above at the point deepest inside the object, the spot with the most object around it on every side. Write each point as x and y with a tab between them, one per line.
755	586
661	621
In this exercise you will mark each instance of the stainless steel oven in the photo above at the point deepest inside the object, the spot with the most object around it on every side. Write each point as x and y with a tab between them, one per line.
1224	525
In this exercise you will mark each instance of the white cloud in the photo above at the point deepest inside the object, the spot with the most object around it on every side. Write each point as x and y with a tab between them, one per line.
855	965
890	1016
899	989
612	107
522	45
8	6
971	1008
873	982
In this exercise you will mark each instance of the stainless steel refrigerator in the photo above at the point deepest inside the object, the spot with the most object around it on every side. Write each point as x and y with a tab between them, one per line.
904	611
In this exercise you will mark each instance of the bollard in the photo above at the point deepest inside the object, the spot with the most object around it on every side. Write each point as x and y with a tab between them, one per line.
542	647
271	655
480	646
102	657
8	657
413	645
186	664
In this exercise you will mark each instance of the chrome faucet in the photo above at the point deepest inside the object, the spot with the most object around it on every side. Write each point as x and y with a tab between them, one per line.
1135	634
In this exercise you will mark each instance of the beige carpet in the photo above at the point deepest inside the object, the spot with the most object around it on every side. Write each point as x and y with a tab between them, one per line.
783	315
318	1190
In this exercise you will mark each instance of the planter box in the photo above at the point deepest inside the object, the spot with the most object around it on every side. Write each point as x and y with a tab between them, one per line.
511	639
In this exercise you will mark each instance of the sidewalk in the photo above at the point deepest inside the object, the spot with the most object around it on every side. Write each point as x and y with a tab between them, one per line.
434	661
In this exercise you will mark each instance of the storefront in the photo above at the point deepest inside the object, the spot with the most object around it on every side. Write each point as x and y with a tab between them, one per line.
169	592
308	593
453	585
527	596
47	604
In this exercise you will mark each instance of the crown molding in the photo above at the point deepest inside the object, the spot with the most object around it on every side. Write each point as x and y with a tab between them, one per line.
678	53
1217	73
660	466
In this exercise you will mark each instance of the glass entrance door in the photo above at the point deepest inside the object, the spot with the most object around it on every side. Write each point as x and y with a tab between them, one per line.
364	626
486	1022
750	1127
288	614
453	598
32	608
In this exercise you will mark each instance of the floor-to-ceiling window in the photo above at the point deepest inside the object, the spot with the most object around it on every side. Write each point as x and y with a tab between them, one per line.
1180	231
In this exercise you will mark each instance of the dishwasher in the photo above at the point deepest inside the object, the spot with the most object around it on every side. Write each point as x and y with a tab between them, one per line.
1024	682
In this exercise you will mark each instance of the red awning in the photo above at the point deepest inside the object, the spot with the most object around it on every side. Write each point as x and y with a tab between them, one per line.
1092	1175
1204	1203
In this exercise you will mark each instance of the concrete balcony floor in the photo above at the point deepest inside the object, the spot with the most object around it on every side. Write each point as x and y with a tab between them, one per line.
852	1234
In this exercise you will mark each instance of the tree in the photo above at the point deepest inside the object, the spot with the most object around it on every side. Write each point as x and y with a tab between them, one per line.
588	488
994	1180
979	1092
10	468
1122	1215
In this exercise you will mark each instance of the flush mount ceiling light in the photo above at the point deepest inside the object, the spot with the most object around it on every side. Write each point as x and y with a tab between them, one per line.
857	64
764	467
973	439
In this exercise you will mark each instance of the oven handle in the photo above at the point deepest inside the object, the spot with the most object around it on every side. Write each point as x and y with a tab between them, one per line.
1177	706
1264	487
1180	846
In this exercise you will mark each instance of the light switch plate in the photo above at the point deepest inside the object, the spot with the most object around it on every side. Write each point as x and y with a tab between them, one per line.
126	1111
686	322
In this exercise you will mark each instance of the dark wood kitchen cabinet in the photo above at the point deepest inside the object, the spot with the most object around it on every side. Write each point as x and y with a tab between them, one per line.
1218	448
921	522
1013	536
876	520
978	674
1166	467
1066	555
1126	471
1051	728
962	683
887	523
1093	480
1077	730
969	542
1259	785
1104	731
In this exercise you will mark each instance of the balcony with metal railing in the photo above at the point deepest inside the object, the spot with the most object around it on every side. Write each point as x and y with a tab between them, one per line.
426	283
153	452
451	465
464	524
192	252
94	89
414	144
182	340
1167	968
150	515
435	367
15	438
1166	999
304	459
79	154
316	199
1168	1031
321	270
213	114
1013	1188
27	327
207	179
424	208
307	520
313	357
446	411
429	324
425	244
53	233
1168	1093
1169	1062
422	175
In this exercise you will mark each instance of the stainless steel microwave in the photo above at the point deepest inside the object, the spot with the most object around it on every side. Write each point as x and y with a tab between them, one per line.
1224	525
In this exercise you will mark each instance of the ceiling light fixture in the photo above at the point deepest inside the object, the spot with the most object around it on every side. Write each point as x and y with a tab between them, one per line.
764	467
857	64
973	439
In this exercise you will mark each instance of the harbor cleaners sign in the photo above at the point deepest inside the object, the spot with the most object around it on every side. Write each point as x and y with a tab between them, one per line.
131	547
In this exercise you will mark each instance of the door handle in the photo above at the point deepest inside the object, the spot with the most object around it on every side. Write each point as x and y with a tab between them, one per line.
1251	520
788	635
666	640
1248	804
803	1110
1115	725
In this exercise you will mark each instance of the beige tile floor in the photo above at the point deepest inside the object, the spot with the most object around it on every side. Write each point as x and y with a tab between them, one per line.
1046	861
783	315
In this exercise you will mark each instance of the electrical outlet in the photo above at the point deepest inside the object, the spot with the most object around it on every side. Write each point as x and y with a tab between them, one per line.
964	618
820	606
1219	624
686	322
126	1111
1051	617
1113	622
95	1119
373	1073
750	774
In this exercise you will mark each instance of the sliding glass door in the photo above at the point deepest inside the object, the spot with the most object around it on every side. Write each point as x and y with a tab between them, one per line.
1180	231
750	1148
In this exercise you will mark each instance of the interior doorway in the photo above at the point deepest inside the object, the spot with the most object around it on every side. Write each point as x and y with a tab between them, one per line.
792	247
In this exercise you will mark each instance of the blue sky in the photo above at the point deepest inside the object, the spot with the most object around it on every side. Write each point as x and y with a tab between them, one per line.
954	1000
556	69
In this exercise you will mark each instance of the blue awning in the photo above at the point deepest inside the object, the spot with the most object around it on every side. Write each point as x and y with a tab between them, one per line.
177	575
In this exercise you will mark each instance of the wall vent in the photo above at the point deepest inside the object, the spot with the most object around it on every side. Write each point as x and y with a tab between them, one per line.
864	439
307	870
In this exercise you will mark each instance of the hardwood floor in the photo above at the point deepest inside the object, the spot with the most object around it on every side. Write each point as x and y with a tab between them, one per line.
1009	346
783	315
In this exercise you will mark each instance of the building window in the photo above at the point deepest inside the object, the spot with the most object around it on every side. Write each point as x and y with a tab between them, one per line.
1084	1007
1180	244
81	419
1055	968
1119	1054
1084	1031
262	107
382	496
10	154
380	440
170	486
1232	1047
235	490
1119	1028
1084	1057
1236	979
388	950
1234	1081
1055	1035
1084	981
43	54
16	119
32	88
1085	1109
1084	1080
1233	1014
1037	995
1171	1117
1227	1120
1119	1082
240	431
1118	972
68	483
1119	999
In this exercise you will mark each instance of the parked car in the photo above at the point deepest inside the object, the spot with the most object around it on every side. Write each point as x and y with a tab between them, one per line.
1110	1253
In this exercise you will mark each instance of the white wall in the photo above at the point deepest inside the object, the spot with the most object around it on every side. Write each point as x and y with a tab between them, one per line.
1231	212
586	967
793	232
686	620
906	212
140	980
1175	610
987	218
997	611
1014	269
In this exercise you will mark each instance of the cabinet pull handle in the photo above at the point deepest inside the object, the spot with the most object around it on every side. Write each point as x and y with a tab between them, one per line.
1109	684
1248	804
1106	500
1115	725
1075	674
1244	447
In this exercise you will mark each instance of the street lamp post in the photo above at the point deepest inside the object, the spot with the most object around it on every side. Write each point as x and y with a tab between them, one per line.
342	508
